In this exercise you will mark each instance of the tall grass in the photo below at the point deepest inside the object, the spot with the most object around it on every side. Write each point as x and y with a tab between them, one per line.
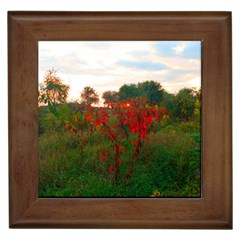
169	163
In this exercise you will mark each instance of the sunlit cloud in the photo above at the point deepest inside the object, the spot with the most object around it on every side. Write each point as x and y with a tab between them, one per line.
107	65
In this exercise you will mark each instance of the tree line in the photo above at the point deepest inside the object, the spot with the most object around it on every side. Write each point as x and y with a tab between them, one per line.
184	105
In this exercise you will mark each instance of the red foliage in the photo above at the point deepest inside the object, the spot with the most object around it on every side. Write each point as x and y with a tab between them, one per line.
111	168
133	117
163	111
88	116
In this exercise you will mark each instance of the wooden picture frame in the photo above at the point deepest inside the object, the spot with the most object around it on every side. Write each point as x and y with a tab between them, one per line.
213	210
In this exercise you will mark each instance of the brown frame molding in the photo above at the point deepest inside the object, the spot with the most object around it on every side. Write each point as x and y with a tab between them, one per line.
213	210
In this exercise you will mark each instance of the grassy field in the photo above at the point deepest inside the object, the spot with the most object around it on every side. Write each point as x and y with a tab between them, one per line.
168	165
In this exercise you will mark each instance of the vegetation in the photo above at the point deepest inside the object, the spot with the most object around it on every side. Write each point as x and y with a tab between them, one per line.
53	90
89	96
110	97
144	142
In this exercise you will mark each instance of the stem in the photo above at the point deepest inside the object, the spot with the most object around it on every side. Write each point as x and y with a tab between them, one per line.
117	152
110	133
135	156
116	162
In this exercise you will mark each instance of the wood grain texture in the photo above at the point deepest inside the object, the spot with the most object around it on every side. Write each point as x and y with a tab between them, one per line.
213	210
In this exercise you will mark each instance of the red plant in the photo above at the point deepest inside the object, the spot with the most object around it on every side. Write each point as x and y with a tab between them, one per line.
133	117
77	124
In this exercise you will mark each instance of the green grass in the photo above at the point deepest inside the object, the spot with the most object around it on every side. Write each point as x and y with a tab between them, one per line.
169	163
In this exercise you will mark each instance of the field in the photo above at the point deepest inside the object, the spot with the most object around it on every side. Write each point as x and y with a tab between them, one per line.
80	160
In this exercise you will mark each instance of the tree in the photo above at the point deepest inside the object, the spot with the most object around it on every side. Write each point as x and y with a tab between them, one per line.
185	104
128	91
197	111
168	102
53	90
152	91
89	96
110	97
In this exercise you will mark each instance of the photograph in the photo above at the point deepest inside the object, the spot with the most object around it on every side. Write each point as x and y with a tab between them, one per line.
119	119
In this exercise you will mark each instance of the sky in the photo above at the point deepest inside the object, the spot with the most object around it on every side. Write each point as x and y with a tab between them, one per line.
107	65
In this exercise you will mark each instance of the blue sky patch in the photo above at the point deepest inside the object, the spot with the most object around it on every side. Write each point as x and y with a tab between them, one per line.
144	65
191	49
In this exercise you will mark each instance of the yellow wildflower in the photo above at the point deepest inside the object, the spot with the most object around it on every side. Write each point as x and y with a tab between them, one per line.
156	193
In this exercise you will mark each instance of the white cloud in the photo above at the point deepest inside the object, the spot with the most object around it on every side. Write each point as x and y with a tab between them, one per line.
97	64
195	82
179	48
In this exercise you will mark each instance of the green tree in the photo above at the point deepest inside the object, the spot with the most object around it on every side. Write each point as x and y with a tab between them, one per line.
89	96
152	91
168	102
128	91
53	90
185	104
110	97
